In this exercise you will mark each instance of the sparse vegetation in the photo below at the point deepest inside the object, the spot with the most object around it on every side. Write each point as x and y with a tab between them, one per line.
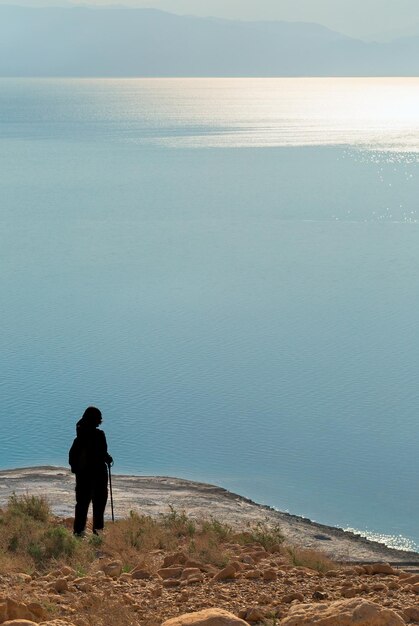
270	537
312	559
34	507
88	581
32	539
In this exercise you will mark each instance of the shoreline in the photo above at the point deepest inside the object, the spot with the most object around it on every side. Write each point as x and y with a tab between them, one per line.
154	495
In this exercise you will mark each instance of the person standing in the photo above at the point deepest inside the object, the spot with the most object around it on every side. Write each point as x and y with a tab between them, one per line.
88	459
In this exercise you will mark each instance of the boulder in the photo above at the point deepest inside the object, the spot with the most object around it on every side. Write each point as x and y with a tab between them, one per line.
411	614
55	622
254	615
190	571
170	572
177	558
19	622
171	582
380	568
12	610
228	573
38	610
113	569
269	574
290	597
208	617
60	585
352	612
140	574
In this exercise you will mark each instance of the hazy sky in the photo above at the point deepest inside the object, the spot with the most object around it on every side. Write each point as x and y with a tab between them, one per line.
353	17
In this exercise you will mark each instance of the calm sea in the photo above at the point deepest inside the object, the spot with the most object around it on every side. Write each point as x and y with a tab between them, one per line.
229	270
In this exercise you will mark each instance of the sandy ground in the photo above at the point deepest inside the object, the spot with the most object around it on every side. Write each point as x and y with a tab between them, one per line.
153	495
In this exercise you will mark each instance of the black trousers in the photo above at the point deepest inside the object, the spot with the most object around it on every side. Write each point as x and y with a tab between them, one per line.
91	487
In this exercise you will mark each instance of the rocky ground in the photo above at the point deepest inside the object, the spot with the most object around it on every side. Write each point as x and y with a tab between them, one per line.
256	586
273	584
153	495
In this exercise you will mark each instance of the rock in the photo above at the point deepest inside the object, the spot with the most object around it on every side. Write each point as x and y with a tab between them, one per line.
259	555
192	563
190	571
393	584
113	569
411	614
332	573
171	582
140	574
157	591
319	595
60	585
37	610
170	572
198	578
67	571
228	573
253	574
208	617
19	622
269	574
12	610
237	565
177	558
22	578
254	615
380	568
125	577
412	579
290	597
85	587
55	622
415	588
357	612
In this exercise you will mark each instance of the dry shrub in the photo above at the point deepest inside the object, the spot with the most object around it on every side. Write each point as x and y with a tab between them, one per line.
105	610
34	507
30	539
207	543
133	538
266	535
313	559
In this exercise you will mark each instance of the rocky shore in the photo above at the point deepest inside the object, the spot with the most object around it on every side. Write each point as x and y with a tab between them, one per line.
226	561
152	495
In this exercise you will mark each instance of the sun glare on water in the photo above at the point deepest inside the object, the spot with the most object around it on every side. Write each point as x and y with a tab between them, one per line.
376	113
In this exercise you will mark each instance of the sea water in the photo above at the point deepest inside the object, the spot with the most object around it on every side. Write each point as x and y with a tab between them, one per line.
229	270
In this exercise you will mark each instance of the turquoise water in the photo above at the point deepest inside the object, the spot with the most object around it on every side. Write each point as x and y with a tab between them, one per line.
228	269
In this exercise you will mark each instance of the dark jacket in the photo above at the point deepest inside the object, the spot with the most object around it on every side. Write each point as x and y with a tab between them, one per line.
89	452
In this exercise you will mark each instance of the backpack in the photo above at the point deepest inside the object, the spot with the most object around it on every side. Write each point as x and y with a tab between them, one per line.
78	456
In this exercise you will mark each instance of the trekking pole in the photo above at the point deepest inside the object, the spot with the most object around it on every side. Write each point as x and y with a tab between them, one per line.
110	490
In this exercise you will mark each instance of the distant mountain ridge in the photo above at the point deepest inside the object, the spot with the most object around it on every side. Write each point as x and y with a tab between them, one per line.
82	41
